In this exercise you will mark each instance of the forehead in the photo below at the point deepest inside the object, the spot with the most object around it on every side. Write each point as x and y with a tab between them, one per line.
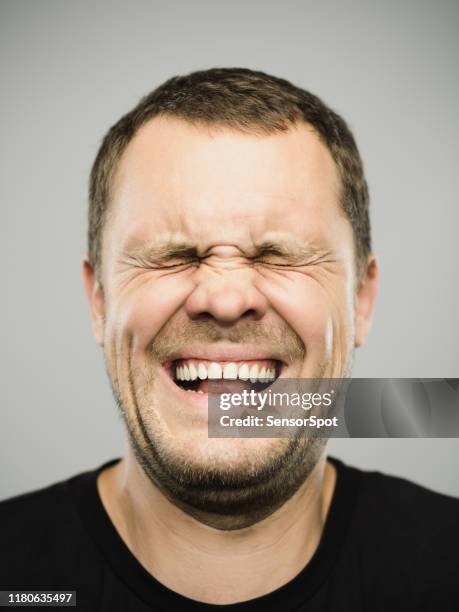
214	184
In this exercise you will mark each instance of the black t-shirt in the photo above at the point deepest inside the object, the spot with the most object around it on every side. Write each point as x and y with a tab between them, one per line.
387	544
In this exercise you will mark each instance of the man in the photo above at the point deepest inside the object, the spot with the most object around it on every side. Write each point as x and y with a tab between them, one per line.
229	238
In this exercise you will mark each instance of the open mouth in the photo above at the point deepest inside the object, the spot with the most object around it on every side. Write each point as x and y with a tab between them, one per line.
195	375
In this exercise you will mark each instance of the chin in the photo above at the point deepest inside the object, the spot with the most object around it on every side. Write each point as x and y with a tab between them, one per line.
245	455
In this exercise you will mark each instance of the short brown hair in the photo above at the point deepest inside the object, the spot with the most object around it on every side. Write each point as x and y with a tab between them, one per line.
241	99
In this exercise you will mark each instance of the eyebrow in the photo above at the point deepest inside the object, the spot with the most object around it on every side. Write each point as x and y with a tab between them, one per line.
179	247
161	250
288	248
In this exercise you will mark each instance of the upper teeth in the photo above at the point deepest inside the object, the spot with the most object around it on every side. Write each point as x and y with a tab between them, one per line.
230	371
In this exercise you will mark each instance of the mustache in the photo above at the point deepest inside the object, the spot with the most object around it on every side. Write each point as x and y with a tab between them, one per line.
279	336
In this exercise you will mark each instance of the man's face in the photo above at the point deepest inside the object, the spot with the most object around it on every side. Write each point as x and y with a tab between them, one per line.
221	248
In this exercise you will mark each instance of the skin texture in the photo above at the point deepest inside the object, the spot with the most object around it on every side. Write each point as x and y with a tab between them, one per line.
222	506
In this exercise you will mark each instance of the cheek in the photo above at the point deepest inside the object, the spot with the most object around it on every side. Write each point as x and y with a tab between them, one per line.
142	310
304	304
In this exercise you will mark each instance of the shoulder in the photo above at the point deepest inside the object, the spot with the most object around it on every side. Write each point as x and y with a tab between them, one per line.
383	492
44	508
386	501
42	536
34	515
396	499
17	505
406	531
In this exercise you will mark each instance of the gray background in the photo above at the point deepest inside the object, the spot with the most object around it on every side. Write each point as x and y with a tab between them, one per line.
70	69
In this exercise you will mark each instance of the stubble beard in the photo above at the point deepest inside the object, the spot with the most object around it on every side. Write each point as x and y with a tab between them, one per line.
226	497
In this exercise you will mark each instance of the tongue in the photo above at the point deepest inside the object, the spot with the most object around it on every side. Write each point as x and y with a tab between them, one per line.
224	386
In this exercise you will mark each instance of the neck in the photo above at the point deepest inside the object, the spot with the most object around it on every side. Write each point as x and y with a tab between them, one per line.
217	567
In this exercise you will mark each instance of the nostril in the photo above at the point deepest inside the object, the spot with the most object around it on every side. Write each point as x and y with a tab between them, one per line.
249	315
226	304
202	316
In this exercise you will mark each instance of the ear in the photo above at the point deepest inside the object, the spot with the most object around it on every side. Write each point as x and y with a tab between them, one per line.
96	300
365	300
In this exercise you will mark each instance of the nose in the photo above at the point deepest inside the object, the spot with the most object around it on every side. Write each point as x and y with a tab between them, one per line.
226	303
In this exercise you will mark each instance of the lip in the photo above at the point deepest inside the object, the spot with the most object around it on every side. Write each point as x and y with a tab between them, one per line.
220	354
200	400
224	353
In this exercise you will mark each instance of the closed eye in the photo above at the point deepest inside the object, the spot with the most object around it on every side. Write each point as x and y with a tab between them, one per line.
174	265
277	264
292	262
161	264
